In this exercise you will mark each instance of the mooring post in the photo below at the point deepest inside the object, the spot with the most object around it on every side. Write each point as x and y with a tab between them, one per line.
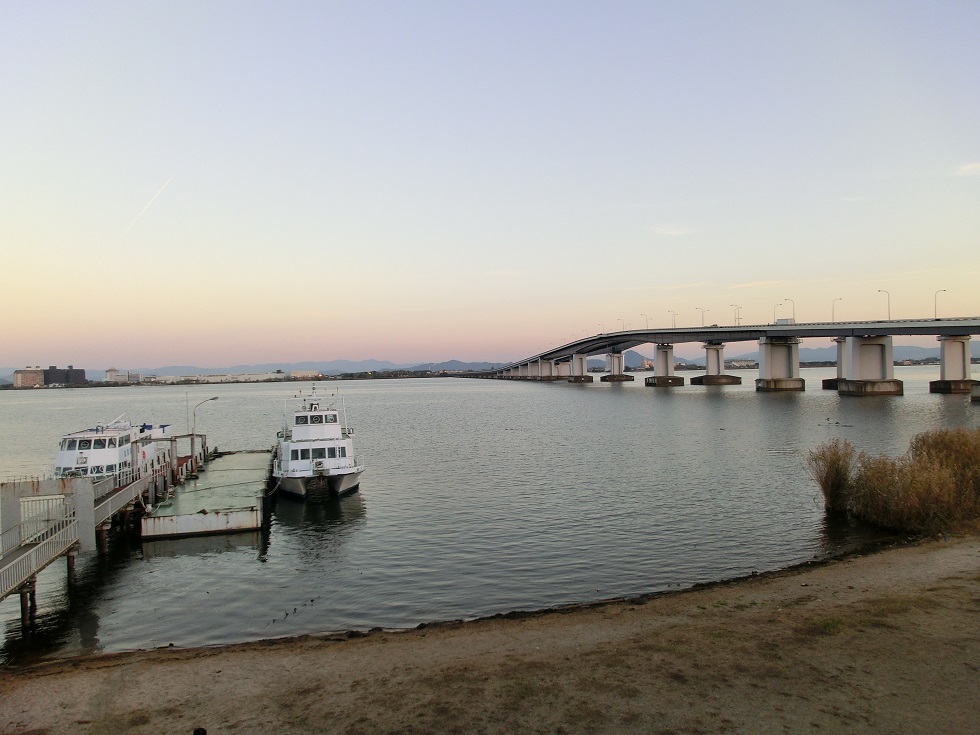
28	601
70	556
102	536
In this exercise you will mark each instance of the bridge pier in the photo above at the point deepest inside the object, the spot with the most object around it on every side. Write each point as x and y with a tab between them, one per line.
779	364
580	369
663	368
869	368
954	366
546	370
617	369
714	366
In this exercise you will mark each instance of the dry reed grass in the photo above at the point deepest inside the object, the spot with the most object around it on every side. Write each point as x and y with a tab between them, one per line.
934	488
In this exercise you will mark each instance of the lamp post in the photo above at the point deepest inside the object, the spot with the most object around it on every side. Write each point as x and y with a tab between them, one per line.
935	302
737	307
673	319
624	323
602	329
888	296
793	304
647	318
833	303
194	432
776	306
702	313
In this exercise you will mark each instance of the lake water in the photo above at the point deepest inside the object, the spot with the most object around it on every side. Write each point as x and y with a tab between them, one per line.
479	497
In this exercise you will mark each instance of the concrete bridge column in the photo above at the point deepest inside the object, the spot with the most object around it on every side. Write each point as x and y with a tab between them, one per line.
831	383
563	369
869	368
522	371
714	353
663	368
534	370
580	369
954	366
779	364
617	373
546	370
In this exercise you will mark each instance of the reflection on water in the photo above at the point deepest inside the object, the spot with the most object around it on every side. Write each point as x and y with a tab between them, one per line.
479	497
213	544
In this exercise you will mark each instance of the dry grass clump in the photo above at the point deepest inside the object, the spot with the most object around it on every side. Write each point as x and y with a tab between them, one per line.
933	488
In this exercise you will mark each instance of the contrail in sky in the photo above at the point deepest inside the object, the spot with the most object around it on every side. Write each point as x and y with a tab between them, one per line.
148	204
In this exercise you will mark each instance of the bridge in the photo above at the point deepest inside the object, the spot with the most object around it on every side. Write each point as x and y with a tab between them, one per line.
864	355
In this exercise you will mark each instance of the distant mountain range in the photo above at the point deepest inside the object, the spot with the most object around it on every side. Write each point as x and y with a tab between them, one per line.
336	367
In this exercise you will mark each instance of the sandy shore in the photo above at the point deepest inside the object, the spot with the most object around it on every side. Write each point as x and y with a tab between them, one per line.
882	643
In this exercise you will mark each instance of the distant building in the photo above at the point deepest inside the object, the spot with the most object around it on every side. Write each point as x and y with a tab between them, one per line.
30	377
67	376
112	375
35	377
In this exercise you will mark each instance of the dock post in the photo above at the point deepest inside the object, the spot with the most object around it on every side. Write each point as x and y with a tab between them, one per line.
70	557
102	538
28	601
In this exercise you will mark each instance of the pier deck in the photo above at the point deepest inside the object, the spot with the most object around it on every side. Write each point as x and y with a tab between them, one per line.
226	497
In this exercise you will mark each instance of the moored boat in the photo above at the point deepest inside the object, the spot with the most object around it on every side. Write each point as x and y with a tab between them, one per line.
119	449
315	451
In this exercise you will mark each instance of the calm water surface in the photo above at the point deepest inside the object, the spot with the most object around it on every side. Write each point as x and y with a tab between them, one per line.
479	497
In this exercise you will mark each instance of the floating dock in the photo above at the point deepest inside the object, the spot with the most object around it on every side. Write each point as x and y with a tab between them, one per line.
229	495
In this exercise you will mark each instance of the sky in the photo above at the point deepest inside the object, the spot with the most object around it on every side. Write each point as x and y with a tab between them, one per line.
218	183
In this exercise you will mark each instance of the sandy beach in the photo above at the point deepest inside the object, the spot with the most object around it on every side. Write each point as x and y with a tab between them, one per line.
887	642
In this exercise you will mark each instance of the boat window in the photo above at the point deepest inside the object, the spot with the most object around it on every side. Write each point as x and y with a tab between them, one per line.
110	468
319	453
302	419
332	453
112	441
84	443
124	440
98	444
294	454
342	451
316	419
331	418
304	453
70	445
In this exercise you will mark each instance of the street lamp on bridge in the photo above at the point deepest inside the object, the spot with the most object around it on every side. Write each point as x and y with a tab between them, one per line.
702	313
833	303
776	306
673	318
647	318
793	304
737	307
888	296
935	302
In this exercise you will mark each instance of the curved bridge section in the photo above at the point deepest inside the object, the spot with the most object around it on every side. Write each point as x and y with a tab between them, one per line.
864	354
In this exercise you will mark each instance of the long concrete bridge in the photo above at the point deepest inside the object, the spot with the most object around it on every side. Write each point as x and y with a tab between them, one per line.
864	355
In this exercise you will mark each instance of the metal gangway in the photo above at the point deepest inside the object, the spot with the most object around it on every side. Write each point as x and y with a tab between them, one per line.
44	519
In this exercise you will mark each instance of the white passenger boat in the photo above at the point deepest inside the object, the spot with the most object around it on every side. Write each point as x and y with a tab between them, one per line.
118	449
314	451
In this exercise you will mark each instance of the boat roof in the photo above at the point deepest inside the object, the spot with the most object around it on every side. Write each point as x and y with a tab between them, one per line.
113	428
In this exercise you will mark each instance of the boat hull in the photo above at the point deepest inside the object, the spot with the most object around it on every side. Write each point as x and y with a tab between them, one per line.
335	484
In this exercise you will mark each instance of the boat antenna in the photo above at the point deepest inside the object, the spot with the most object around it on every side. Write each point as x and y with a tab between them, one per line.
116	419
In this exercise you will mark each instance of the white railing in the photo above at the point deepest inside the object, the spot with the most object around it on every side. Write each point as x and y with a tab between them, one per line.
37	514
59	538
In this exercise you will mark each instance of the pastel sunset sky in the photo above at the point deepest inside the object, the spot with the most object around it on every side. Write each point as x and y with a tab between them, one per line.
216	182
